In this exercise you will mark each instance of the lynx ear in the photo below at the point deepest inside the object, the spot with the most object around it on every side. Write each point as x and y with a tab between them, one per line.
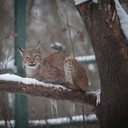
38	46
20	50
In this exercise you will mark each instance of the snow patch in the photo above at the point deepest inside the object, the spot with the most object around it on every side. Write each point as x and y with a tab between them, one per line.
77	2
97	94
15	78
85	58
56	121
91	67
98	97
57	46
95	1
123	18
8	64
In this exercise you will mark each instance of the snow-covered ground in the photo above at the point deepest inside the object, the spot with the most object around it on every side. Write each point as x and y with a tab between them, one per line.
64	120
56	121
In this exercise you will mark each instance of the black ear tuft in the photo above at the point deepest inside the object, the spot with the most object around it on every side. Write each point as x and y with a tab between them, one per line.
20	50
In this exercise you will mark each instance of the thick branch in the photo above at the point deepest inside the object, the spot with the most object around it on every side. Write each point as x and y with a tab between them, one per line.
45	90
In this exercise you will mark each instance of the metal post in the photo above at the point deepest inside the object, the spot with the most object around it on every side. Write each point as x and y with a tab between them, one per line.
21	116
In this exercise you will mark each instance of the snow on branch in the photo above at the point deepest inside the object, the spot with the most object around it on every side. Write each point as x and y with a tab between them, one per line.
15	78
97	93
28	86
123	18
77	2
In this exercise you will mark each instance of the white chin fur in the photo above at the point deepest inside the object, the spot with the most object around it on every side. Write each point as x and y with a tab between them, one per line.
30	70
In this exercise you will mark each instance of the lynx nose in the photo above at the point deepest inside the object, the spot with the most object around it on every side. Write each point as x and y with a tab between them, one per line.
31	63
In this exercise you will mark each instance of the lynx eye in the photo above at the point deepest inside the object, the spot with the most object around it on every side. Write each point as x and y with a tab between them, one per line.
27	57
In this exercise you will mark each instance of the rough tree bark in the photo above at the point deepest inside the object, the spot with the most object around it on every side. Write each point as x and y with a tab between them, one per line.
44	90
111	50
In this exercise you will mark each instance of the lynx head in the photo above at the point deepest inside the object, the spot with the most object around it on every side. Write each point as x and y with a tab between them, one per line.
31	59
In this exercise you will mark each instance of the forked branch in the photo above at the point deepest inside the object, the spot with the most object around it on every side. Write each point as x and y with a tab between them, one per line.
32	87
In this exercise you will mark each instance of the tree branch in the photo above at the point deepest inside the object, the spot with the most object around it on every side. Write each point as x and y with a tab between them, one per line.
32	87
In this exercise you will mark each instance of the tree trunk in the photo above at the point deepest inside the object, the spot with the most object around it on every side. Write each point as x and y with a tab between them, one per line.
110	46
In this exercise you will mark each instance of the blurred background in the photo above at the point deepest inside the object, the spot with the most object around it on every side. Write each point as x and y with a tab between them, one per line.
58	26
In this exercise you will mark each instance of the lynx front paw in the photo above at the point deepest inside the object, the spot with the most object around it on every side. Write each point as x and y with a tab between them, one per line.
68	69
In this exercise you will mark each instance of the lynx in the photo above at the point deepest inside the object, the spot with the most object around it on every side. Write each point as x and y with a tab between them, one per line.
56	68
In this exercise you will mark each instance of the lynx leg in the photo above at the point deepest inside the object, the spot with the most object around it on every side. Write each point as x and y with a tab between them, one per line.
70	72
75	74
